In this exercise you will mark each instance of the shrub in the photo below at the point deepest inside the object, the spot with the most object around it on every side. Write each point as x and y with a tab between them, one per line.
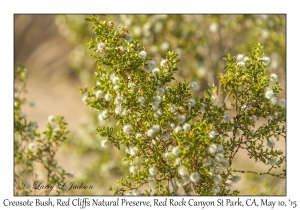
33	148
174	141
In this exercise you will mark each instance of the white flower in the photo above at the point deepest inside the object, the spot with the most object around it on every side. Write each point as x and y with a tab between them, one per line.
217	179
101	47
119	110
128	37
155	71
157	113
213	27
192	102
274	116
31	146
163	63
207	161
100	118
194	176
172	125
131	86
56	131
220	148
266	61
177	161
239	57
164	45
143	54
281	102
225	164
246	58
194	86
133	151
160	91
152	171
141	99
105	114
271	144
272	161
168	156
227	117
212	149
116	87
125	112
202	106
177	129
128	193
99	94
186	180
115	80
155	106
212	134
213	98
51	119
269	93
166	136
156	128
273	78
211	170
182	170
108	96
179	182
152	182
219	157
149	66
138	135
273	100
172	108
228	182
235	179
186	127
133	169
241	64
181	119
127	129
254	118
135	192
104	143
150	132
176	151
157	99
118	100
215	189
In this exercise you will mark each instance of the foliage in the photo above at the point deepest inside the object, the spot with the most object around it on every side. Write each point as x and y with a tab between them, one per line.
174	141
34	148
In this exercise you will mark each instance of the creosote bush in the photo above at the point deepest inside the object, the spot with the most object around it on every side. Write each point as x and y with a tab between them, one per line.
175	142
33	148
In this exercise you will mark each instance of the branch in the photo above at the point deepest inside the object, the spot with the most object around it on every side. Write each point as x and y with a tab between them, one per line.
281	176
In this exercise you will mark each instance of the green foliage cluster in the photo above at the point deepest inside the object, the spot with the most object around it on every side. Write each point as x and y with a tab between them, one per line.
201	42
34	148
176	142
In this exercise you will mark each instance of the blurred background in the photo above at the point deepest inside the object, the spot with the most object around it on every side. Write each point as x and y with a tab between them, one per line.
54	49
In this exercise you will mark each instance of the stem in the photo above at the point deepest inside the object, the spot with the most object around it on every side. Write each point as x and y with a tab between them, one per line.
281	176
